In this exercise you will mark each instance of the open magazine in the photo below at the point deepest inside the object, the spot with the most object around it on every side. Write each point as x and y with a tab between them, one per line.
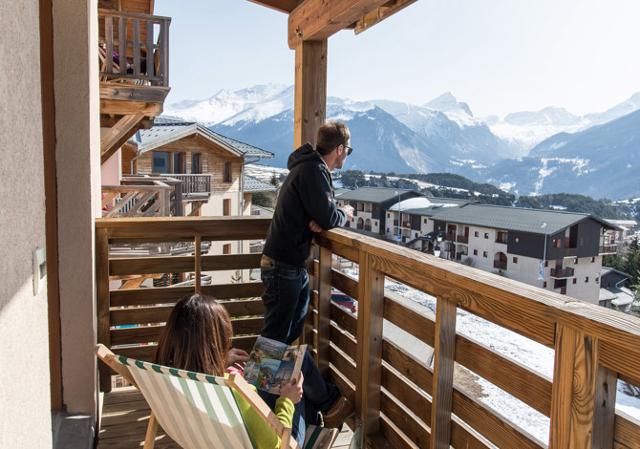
273	364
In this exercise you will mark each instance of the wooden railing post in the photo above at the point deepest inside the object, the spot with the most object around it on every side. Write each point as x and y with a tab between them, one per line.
369	345
443	366
198	263
578	382
104	303
323	323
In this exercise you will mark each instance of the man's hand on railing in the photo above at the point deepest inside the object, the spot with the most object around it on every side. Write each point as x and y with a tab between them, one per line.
315	227
348	210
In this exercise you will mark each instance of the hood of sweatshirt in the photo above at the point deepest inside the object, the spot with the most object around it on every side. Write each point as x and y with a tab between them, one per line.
303	154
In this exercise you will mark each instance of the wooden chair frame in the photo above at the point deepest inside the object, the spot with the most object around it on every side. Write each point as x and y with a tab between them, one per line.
236	382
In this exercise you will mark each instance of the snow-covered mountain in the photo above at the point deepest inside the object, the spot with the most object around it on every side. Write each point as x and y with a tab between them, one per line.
528	128
225	104
602	161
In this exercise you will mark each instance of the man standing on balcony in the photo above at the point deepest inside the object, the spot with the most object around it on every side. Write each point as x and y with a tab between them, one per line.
306	204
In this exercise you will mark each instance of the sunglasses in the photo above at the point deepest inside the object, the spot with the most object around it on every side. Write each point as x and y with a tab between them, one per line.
349	150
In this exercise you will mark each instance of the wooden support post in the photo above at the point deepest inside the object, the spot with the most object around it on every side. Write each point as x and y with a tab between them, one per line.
573	395
198	263
604	414
443	366
104	303
324	310
369	345
310	90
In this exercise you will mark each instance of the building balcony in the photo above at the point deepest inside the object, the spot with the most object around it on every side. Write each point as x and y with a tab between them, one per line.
462	239
402	401
562	273
194	186
608	249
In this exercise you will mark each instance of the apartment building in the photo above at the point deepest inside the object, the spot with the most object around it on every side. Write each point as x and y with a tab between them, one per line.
558	251
370	205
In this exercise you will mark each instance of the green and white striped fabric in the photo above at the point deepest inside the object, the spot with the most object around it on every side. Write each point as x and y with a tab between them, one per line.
196	410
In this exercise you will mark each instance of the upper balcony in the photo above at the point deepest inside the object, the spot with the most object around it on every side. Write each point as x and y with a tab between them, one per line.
402	399
462	239
562	273
608	249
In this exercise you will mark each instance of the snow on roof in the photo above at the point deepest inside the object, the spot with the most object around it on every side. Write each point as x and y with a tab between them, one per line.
422	202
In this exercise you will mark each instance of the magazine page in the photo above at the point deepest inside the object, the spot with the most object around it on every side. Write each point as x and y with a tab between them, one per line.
273	364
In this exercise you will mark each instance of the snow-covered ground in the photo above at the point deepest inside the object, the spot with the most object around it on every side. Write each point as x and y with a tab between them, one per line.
509	344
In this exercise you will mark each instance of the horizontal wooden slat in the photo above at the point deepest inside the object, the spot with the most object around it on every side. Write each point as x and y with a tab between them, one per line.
342	363
344	283
147	353
148	334
345	251
409	320
417	431
621	360
493	427
627	432
181	264
171	295
343	340
343	318
159	314
396	439
167	229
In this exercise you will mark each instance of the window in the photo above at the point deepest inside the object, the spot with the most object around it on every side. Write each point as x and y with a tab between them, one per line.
425	221
586	279
475	252
196	166
160	162
575	261
178	163
575	281
485	254
544	284
546	263
388	215
226	207
597	280
593	259
226	248
515	260
388	230
226	174
476	234
486	235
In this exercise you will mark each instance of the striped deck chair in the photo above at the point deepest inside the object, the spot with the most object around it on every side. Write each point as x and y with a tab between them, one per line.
197	411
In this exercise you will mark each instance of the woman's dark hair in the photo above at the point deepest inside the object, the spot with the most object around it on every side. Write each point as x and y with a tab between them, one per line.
197	336
331	135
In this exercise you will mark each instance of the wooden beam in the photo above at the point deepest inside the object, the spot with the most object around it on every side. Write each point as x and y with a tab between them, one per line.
120	107
444	350
115	137
128	92
319	19
310	91
369	346
379	14
285	6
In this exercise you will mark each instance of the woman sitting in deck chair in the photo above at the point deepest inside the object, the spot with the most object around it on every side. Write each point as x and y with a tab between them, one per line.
197	337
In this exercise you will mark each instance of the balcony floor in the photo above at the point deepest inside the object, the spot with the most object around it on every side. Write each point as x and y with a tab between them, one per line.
125	414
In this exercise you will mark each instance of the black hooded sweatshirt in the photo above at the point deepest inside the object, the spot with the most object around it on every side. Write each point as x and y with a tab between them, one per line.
305	195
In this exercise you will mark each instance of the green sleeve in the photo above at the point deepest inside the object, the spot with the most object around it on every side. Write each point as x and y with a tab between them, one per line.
262	436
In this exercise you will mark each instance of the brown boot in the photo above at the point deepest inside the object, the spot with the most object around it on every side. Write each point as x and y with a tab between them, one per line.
338	413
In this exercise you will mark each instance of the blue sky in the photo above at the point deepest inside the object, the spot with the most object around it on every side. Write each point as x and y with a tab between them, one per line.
500	56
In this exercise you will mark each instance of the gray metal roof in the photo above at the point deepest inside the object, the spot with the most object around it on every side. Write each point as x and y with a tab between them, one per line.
167	131
536	221
374	194
423	211
251	184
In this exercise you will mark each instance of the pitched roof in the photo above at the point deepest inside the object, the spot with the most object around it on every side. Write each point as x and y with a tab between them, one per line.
374	194
166	131
536	221
251	184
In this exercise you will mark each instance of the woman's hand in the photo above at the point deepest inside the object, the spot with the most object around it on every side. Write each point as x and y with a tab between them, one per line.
237	356
293	390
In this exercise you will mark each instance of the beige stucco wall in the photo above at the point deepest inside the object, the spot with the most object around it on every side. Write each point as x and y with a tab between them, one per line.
25	407
78	164
110	172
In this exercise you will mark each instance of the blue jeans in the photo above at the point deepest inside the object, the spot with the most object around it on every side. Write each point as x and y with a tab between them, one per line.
318	396
286	300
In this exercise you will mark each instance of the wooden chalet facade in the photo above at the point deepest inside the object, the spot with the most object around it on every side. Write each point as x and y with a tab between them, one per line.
96	89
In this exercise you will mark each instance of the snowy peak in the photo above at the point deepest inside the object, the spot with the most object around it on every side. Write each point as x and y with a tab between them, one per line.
224	104
457	111
549	116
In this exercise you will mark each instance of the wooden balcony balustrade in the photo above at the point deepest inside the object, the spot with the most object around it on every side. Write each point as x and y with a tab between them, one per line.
134	47
561	273
400	400
462	239
193	185
608	249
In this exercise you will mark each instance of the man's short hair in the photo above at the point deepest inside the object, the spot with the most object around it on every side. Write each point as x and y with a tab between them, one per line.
331	135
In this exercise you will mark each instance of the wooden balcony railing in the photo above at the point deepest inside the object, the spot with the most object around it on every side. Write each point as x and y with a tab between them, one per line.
608	249
401	399
134	46
193	184
136	200
561	273
462	239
